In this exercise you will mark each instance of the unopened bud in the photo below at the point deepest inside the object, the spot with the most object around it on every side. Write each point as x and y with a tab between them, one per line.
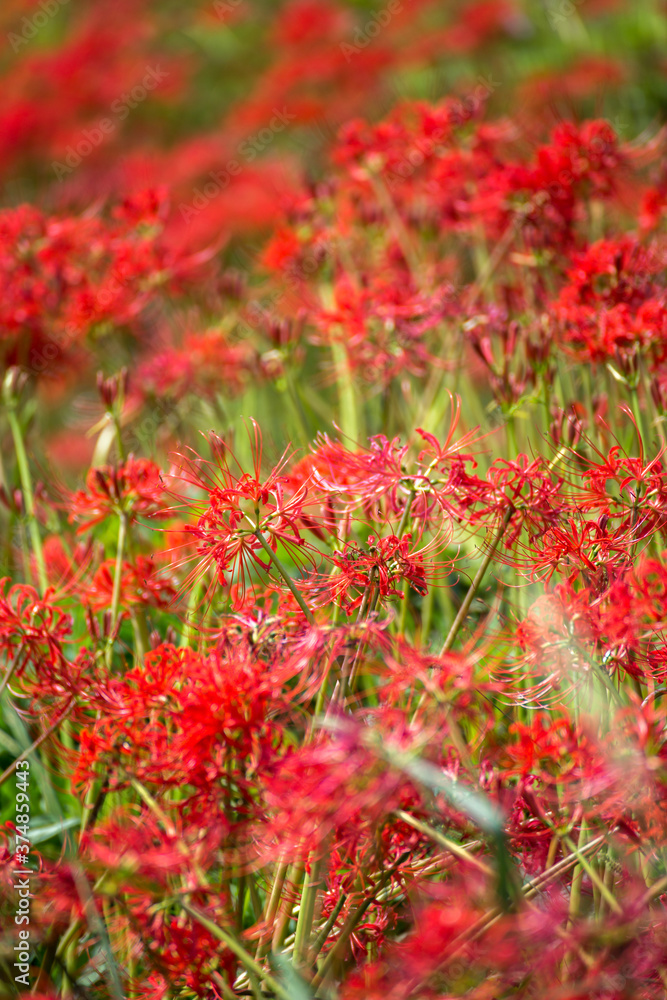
13	384
232	285
279	331
574	428
93	625
106	387
101	482
110	389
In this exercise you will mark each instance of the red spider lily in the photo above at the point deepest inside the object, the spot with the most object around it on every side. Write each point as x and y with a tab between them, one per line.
382	478
33	628
529	487
318	784
582	549
440	454
512	376
641	486
65	566
143	858
614	300
377	569
354	478
238	506
548	746
228	714
134	488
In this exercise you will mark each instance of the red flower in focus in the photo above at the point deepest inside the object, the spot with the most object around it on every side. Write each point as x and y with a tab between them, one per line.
237	508
379	570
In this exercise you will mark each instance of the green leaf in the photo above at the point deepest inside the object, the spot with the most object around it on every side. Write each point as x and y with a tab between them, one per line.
38	834
295	984
52	807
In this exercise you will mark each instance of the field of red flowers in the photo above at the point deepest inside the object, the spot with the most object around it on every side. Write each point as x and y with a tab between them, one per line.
333	499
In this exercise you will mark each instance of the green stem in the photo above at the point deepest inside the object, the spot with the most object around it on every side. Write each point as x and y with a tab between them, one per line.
297	406
11	669
336	953
285	575
585	866
510	426
449	845
138	615
38	742
118	571
398	227
577	877
426	615
273	903
189	629
28	496
154	807
304	924
406	512
97	925
346	395
322	693
642	429
405	601
321	938
251	966
142	637
285	914
117	578
115	417
479	576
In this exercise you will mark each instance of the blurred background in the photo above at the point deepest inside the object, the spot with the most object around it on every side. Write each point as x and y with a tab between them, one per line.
227	113
222	69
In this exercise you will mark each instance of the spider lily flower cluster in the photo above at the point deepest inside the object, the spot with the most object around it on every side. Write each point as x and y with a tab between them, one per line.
362	693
